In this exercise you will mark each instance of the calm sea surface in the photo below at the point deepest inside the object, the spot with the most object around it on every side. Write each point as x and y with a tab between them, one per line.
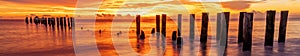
20	39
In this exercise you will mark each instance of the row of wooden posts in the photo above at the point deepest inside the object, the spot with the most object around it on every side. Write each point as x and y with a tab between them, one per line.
244	31
63	22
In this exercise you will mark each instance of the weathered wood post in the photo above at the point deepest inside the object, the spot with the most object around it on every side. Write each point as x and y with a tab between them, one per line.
192	27
269	34
247	29
240	32
174	36
158	23
138	25
65	23
203	36
30	20
164	22
26	20
222	28
179	24
282	28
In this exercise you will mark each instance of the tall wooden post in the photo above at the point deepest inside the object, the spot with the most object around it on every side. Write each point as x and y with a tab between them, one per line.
138	30
240	32
204	28
158	23
222	28
179	24
269	34
247	29
192	27
282	28
164	21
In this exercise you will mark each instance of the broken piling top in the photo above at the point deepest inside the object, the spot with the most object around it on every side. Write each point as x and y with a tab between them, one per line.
270	23
282	26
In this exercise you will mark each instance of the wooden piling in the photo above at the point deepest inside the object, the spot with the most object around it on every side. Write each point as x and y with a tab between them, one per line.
26	20
240	32
192	27
30	20
222	28
158	23
65	22
174	36
203	35
269	34
179	24
164	21
247	30
138	30
282	27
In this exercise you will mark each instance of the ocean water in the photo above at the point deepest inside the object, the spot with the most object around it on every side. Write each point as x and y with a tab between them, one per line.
119	38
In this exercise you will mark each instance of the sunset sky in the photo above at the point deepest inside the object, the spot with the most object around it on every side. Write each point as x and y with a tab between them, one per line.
13	9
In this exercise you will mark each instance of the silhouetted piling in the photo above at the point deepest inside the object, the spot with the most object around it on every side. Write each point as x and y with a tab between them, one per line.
164	21
61	21
269	34
158	23
36	19
240	32
247	29
282	27
65	22
153	31
142	36
69	23
179	24
222	28
174	36
204	28
72	22
138	25
26	20
192	27
48	21
30	20
179	42
57	22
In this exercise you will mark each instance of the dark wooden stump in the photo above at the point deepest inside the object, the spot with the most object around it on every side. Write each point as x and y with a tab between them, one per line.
203	35
247	29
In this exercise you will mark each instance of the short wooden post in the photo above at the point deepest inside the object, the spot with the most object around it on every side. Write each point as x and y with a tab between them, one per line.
192	27
164	21
203	35
282	28
269	34
26	20
240	32
247	29
30	20
158	23
138	25
174	36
